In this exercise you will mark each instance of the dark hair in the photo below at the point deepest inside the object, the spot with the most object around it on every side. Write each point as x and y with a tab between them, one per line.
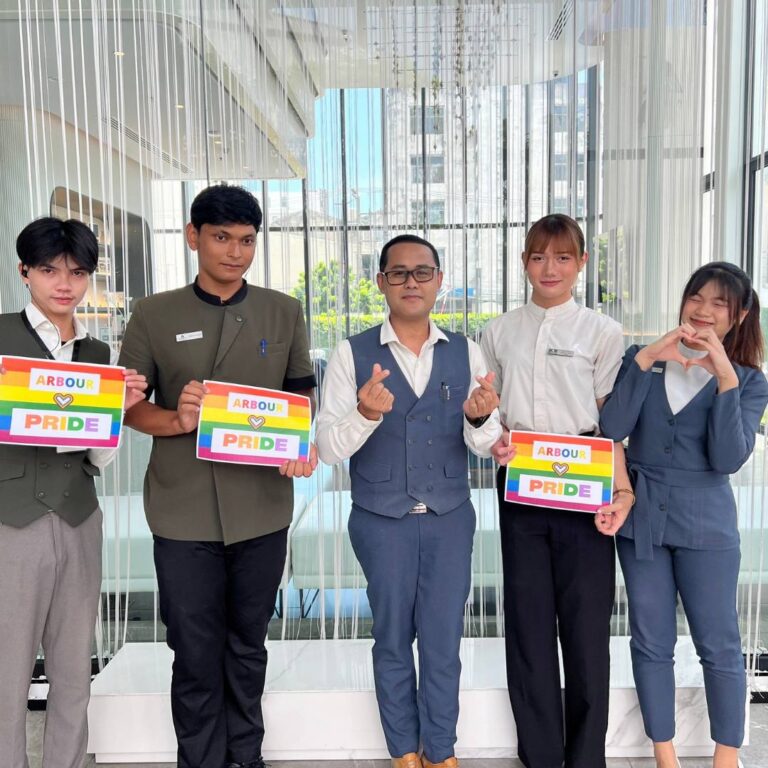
415	239
45	239
225	204
744	341
554	225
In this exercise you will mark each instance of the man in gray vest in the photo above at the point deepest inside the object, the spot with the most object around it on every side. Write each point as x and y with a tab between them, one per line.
403	401
220	529
50	522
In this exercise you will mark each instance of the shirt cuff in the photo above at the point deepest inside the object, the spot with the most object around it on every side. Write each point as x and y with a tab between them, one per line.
300	384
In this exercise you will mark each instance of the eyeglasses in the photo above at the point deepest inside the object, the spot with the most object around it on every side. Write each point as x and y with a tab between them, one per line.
400	276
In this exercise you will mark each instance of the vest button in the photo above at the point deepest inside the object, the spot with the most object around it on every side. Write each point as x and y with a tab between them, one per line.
667	450
429	418
410	467
430	466
429	487
41	494
429	442
66	493
410	442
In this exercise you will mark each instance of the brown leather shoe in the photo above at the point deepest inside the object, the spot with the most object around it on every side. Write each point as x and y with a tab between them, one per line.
451	762
409	760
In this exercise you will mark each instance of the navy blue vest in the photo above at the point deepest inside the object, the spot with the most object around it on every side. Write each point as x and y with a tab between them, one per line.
418	453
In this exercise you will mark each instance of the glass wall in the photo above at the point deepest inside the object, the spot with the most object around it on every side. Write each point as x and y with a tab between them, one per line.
353	122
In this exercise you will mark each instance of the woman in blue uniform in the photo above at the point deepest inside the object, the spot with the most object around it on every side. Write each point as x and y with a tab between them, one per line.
691	403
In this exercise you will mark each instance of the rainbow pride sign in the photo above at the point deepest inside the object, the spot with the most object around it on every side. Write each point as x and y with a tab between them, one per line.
251	425
61	405
560	471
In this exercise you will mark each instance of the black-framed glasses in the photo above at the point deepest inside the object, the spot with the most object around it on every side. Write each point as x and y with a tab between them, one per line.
400	276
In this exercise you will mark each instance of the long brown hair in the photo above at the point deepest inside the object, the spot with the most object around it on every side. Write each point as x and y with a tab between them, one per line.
554	225
744	341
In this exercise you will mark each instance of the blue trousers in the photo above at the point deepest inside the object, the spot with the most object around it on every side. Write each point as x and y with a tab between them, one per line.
706	581
418	569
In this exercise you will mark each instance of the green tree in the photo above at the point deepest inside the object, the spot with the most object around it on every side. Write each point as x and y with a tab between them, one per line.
326	292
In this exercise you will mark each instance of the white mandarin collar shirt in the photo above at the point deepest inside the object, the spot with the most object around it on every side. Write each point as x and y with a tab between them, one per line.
341	429
682	384
50	336
552	365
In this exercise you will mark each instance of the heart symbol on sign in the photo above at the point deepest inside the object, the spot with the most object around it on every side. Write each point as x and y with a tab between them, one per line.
560	469
256	421
62	400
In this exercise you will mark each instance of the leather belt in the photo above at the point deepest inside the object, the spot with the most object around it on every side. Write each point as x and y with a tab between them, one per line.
419	509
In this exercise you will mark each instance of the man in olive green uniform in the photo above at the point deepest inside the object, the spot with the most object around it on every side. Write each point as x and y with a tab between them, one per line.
220	529
50	521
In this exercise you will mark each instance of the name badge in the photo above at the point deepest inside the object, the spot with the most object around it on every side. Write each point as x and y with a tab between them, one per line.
560	352
657	370
189	336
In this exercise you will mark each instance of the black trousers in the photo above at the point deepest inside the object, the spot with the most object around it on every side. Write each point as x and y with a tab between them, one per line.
216	602
559	575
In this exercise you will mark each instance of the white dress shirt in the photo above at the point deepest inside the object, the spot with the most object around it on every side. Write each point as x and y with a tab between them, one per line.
682	384
552	365
50	336
341	429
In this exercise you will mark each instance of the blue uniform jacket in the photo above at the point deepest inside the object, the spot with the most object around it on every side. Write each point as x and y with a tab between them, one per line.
680	463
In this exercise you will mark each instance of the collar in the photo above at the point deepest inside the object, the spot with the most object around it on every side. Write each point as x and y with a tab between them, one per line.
563	309
210	298
691	354
388	335
43	325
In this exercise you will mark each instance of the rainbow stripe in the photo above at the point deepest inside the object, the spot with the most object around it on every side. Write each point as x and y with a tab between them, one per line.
19	396
217	415
526	468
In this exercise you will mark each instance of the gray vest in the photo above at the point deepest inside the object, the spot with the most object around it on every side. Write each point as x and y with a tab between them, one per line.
418	453
35	481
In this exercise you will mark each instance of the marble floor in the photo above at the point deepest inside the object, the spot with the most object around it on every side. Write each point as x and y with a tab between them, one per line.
753	756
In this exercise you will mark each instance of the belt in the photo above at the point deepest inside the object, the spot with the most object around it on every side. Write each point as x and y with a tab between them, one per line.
419	509
680	478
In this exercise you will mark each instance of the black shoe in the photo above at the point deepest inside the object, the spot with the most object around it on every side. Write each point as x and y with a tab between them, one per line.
258	763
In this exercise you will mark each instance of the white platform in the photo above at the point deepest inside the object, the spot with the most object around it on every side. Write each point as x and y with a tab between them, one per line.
320	704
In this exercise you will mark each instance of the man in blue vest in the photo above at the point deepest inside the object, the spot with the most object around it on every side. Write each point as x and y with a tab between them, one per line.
403	401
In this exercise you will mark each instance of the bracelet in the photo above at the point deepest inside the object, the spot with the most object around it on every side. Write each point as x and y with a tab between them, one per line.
626	490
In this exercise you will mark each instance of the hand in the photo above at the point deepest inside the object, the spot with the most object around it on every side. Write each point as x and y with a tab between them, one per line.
610	518
716	360
188	408
482	400
297	468
665	348
502	450
373	398
136	385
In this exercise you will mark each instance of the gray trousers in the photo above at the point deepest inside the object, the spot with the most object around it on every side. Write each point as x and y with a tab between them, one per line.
50	581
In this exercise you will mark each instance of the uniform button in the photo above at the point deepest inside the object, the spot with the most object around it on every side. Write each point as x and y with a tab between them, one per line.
429	487
429	418
66	493
67	465
431	466
429	442
41	494
238	318
410	442
667	450
671	422
662	507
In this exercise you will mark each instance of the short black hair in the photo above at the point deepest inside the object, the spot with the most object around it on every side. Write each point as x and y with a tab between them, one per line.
45	239
225	204
405	239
